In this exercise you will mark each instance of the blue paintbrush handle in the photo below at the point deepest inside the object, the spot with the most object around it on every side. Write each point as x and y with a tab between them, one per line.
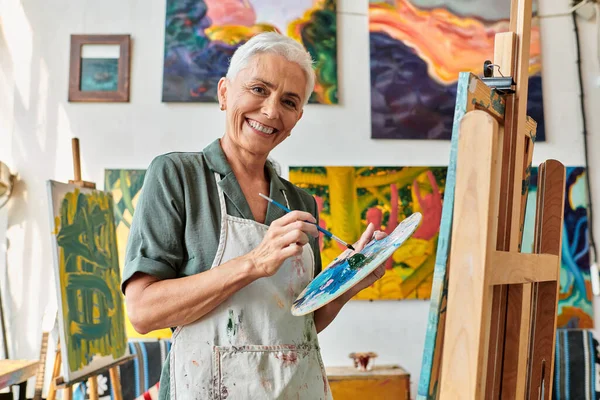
324	231
308	222
280	205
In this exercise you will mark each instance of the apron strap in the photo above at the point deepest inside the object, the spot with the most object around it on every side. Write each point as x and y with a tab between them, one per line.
222	233
221	196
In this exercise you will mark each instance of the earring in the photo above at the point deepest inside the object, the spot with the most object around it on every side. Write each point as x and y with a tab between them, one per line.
221	106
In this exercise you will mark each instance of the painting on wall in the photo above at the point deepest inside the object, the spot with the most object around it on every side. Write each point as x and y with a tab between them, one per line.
575	298
99	68
99	74
349	198
202	35
414	76
91	309
125	186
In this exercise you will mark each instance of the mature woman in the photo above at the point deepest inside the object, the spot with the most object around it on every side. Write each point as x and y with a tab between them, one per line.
210	257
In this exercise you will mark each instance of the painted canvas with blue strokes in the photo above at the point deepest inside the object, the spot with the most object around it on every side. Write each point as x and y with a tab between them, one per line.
202	35
91	307
343	274
575	296
414	76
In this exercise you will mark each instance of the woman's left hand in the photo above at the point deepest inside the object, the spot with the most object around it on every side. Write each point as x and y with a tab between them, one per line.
326	314
368	235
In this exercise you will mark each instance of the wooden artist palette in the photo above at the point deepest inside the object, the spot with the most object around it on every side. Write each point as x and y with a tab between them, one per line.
341	275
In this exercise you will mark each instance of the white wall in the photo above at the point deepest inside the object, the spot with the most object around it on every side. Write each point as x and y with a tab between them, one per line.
37	123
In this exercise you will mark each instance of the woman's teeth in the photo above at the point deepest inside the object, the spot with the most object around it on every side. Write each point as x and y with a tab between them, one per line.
260	127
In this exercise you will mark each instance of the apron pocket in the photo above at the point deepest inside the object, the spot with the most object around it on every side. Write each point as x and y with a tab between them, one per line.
267	372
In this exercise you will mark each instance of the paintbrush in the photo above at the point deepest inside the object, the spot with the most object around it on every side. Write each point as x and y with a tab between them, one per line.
324	231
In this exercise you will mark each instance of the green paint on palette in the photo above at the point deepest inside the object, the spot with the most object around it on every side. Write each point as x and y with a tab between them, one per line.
357	261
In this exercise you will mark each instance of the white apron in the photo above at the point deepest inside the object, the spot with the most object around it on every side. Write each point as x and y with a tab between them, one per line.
251	346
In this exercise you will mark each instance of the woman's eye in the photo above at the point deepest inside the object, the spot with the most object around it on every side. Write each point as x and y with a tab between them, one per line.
290	103
258	89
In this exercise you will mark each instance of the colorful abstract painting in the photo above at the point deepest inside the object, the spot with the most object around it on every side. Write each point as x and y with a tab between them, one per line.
91	309
349	198
418	48
345	272
125	185
575	297
202	35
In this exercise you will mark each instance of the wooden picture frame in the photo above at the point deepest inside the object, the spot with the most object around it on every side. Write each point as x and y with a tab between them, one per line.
105	79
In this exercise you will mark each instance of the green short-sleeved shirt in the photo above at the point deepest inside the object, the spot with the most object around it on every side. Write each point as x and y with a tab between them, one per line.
177	221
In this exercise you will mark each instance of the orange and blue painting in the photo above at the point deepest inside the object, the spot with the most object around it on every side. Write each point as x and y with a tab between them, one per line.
575	297
417	50
125	186
202	35
91	308
349	198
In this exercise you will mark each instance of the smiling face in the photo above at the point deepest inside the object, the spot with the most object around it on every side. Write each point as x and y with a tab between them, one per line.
263	103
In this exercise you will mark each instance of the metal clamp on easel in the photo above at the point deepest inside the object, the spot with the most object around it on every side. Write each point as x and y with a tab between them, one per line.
503	84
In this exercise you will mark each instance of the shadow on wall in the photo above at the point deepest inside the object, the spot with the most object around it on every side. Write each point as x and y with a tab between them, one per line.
30	119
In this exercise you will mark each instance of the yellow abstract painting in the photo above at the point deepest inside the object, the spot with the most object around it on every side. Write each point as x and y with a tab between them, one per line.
349	198
91	308
126	187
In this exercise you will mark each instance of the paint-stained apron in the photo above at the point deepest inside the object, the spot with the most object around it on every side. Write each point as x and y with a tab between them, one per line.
251	346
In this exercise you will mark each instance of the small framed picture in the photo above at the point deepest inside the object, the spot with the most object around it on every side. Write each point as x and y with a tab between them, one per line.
99	68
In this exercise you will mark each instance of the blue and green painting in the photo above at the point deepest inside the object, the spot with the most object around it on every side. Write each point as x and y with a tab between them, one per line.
575	309
202	35
99	74
91	325
345	272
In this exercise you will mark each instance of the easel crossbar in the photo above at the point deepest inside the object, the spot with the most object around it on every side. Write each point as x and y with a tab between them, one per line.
518	268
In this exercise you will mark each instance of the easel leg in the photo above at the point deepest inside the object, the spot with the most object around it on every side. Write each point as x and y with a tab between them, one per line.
68	391
55	372
116	383
93	387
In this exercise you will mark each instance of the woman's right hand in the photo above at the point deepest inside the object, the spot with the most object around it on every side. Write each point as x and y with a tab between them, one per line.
285	238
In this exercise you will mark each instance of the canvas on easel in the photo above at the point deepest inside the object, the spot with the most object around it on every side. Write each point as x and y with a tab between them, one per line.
492	333
125	186
91	312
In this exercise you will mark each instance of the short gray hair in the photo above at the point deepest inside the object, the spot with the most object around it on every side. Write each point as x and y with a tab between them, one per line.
275	43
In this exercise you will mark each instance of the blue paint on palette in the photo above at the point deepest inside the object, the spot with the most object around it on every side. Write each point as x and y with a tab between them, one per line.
340	276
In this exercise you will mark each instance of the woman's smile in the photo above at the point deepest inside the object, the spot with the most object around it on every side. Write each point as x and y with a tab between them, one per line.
260	127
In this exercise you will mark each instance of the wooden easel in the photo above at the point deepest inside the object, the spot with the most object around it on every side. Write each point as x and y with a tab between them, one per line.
500	324
57	381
